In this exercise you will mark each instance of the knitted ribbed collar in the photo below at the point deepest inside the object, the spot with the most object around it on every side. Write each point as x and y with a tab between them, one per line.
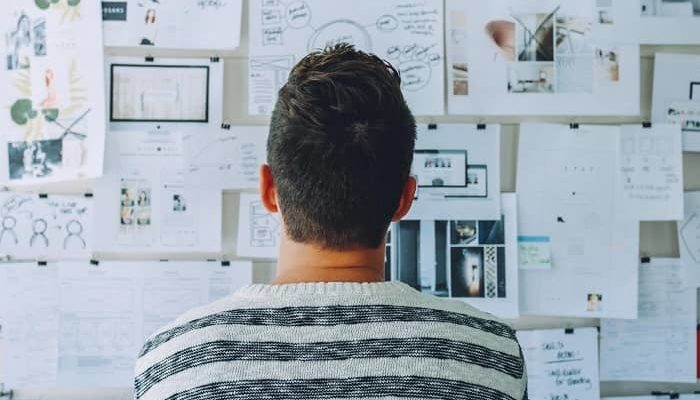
326	289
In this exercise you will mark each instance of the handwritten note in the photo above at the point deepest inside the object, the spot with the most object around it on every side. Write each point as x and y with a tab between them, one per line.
561	365
651	172
660	346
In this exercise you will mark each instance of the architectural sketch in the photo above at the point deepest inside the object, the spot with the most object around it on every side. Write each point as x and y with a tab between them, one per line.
511	57
172	24
51	91
40	226
228	158
407	34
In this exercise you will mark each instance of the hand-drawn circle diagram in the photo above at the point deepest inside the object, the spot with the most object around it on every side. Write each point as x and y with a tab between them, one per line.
387	23
298	14
340	31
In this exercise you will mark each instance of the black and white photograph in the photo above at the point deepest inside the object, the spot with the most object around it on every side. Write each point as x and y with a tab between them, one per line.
463	232
670	8
440	168
535	77
179	203
35	159
534	36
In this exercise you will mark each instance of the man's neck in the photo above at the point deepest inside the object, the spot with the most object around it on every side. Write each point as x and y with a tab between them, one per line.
300	263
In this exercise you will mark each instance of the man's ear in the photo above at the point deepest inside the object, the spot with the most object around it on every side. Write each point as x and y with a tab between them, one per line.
406	201
268	191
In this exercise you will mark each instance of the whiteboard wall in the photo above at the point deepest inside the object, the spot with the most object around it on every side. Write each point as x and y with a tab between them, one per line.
657	239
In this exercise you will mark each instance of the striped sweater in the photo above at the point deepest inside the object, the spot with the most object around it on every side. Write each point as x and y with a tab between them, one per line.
332	341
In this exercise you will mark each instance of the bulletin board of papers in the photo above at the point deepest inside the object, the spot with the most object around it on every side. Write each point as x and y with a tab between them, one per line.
129	182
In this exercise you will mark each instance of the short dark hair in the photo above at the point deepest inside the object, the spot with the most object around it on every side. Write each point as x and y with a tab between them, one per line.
340	148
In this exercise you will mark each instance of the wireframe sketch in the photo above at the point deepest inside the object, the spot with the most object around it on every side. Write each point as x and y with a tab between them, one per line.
264	228
53	94
175	93
407	34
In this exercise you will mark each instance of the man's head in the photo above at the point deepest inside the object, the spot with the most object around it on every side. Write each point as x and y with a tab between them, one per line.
340	150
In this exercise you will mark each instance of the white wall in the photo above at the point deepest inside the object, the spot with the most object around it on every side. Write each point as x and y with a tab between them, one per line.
657	239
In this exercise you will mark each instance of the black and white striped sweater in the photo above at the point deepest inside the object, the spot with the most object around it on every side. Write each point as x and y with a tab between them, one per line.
332	341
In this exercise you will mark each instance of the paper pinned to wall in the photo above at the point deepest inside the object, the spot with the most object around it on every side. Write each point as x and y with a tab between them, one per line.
515	57
661	22
226	159
408	34
92	318
651	172
29	316
676	96
51	92
458	171
258	230
572	199
41	227
661	345
156	92
689	235
143	203
472	260
188	24
561	365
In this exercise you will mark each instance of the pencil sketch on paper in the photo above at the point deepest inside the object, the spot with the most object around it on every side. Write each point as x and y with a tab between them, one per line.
33	225
264	228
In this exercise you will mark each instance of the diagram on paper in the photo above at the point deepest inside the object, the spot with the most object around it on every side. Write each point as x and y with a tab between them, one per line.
258	230
405	33
228	159
33	226
52	91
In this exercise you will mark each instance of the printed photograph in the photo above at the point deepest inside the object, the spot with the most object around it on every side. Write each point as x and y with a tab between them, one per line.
501	34
607	63
26	40
534	36
179	203
463	232
477	181
604	12
670	8
531	78
37	159
467	272
595	302
460	79
492	232
440	168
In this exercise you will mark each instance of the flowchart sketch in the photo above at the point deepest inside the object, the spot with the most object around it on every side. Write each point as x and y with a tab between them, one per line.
406	33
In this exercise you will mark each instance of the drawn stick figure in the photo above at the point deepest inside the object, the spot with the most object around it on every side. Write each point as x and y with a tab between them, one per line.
74	229
39	228
8	228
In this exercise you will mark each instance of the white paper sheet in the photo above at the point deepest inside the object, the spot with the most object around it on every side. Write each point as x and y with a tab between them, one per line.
664	396
472	260
143	205
661	345
163	91
258	230
519	57
676	97
689	235
651	172
561	365
568	193
51	92
29	315
661	21
175	24
93	318
227	159
408	34
45	227
458	171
